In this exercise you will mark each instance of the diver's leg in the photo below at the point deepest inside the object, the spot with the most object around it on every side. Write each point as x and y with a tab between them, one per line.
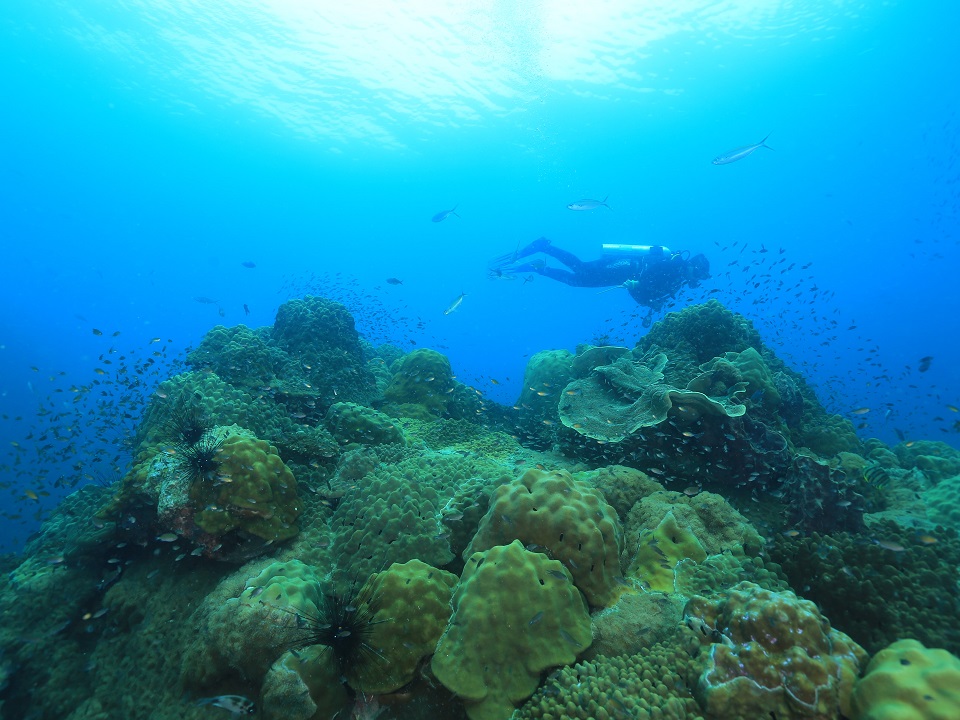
559	274
541	244
564	256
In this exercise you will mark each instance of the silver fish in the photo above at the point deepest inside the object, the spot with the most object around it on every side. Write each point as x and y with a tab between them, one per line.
204	300
441	216
455	304
588	204
740	153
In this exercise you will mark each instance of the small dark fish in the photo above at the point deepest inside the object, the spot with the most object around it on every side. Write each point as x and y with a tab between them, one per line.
588	204
925	363
249	264
441	216
740	153
246	310
394	281
536	618
97	332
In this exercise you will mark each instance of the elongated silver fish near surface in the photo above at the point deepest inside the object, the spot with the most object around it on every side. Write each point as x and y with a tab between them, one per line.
455	304
588	204
740	153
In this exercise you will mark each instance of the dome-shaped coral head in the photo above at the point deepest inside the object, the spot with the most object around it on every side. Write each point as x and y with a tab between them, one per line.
198	462
187	425
345	623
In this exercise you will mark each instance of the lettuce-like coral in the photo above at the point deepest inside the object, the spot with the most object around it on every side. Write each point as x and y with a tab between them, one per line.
616	400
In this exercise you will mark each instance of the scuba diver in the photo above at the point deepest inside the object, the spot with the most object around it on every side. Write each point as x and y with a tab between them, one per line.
650	273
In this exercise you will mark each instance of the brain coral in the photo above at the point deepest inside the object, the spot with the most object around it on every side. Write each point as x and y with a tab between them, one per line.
515	614
771	654
906	681
568	519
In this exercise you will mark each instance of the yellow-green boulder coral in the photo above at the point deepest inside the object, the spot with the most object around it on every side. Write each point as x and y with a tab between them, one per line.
413	608
568	519
659	552
253	491
516	614
906	681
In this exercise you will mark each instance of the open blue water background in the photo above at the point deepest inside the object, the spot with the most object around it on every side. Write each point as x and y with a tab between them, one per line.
148	149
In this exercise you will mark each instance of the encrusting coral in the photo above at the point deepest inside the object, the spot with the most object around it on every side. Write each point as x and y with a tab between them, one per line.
771	654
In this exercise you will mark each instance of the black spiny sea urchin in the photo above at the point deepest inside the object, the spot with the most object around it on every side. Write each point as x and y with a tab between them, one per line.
345	624
188	425
198	462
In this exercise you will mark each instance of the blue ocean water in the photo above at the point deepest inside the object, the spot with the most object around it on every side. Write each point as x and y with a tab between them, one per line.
151	149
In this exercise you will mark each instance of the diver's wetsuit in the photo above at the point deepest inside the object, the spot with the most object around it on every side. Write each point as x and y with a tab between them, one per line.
651	278
605	272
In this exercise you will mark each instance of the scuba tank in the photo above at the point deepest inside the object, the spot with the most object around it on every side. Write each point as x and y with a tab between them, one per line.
653	252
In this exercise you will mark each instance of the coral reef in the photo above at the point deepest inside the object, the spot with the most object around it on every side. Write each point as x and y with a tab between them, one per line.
567	519
353	424
244	625
515	614
424	380
370	478
651	683
700	333
898	584
770	654
544	378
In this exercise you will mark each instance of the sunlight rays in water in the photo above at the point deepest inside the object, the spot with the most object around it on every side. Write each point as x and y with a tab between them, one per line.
374	70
